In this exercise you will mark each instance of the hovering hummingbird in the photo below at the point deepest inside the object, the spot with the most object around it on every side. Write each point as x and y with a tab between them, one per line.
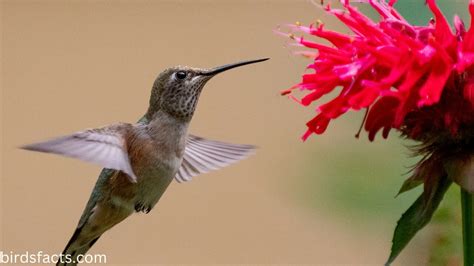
142	159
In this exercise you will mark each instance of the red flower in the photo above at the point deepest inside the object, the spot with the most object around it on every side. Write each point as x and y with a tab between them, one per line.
417	79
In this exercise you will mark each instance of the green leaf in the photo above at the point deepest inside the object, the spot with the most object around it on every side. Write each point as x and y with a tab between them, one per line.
419	214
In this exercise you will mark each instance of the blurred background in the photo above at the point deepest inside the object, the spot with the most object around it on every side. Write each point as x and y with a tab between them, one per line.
71	65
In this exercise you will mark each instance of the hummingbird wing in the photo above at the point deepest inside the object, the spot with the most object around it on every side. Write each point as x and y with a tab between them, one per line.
104	146
203	155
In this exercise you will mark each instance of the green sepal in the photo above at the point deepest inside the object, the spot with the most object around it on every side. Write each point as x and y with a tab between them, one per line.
461	171
410	184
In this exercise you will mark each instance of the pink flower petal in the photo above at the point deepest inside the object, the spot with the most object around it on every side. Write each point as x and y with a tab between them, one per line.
411	78
366	96
318	124
468	44
431	90
443	32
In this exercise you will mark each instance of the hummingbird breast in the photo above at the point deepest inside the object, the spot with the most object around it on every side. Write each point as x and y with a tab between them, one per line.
155	150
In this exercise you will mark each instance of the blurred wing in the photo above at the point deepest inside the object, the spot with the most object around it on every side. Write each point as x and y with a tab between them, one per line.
203	155
104	146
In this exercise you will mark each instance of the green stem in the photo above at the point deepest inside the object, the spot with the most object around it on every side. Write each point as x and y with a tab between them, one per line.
467	203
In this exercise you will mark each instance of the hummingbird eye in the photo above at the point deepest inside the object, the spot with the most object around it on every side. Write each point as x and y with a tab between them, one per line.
181	75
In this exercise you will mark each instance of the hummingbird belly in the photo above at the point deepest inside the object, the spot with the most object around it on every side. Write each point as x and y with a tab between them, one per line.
153	182
155	158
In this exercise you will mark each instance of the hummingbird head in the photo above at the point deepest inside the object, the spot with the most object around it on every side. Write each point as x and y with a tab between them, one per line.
176	90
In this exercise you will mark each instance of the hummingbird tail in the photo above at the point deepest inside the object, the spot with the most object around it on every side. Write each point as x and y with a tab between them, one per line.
97	220
77	246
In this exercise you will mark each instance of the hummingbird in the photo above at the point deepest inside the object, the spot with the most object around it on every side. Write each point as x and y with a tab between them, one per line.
140	160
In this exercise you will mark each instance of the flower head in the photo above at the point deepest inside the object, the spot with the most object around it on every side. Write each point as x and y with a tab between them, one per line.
416	79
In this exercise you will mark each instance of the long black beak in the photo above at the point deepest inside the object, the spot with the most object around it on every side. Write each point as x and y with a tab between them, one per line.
223	68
